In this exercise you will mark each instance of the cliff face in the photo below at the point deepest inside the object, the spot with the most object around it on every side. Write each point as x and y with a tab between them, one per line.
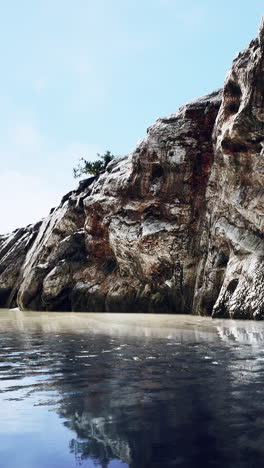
176	226
231	275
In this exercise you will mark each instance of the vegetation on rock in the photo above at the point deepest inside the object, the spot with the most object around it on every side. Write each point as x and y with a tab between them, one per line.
94	168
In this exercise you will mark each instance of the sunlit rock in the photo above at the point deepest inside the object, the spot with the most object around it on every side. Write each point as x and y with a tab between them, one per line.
231	281
174	227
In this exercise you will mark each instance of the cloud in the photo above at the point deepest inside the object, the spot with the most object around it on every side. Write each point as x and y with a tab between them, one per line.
24	199
36	172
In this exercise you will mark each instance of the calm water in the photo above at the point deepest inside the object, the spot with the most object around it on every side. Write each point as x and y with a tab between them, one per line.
101	390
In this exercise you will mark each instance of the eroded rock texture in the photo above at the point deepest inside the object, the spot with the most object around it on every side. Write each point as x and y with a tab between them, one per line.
176	226
231	274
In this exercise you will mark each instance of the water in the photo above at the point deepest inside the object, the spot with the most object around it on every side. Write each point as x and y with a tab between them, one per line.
138	391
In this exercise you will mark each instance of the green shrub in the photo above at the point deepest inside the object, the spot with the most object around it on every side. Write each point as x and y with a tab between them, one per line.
94	168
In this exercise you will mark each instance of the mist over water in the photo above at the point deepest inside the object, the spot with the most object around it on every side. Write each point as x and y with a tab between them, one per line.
138	391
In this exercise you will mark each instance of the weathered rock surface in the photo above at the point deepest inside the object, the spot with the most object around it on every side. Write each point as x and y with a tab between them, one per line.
176	226
231	273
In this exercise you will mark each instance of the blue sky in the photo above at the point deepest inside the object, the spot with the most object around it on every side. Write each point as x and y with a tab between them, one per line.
83	77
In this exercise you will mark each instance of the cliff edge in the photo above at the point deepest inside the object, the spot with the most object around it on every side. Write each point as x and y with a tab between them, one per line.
174	227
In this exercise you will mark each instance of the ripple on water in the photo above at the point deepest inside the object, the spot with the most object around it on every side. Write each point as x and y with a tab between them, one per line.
190	396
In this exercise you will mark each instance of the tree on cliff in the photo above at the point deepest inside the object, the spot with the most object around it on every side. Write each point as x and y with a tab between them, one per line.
87	167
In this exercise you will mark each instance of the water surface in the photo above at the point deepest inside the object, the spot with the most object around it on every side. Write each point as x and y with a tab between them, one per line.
138	391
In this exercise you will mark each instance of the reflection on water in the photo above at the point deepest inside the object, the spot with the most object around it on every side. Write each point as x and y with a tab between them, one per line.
137	391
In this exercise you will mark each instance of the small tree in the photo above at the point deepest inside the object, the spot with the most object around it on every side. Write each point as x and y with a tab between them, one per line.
94	168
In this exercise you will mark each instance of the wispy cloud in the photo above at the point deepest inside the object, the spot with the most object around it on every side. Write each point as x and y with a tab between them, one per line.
40	173
24	199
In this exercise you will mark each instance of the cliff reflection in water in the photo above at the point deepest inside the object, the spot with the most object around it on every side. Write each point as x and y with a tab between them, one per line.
150	391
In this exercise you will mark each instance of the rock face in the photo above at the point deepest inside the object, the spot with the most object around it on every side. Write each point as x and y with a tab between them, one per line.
174	227
231	273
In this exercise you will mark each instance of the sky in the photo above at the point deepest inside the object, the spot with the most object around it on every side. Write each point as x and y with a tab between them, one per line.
85	76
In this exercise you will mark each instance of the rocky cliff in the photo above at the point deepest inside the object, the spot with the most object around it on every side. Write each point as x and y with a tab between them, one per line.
174	227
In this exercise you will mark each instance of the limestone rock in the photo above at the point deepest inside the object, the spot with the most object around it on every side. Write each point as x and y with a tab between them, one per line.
143	217
174	227
231	282
13	250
